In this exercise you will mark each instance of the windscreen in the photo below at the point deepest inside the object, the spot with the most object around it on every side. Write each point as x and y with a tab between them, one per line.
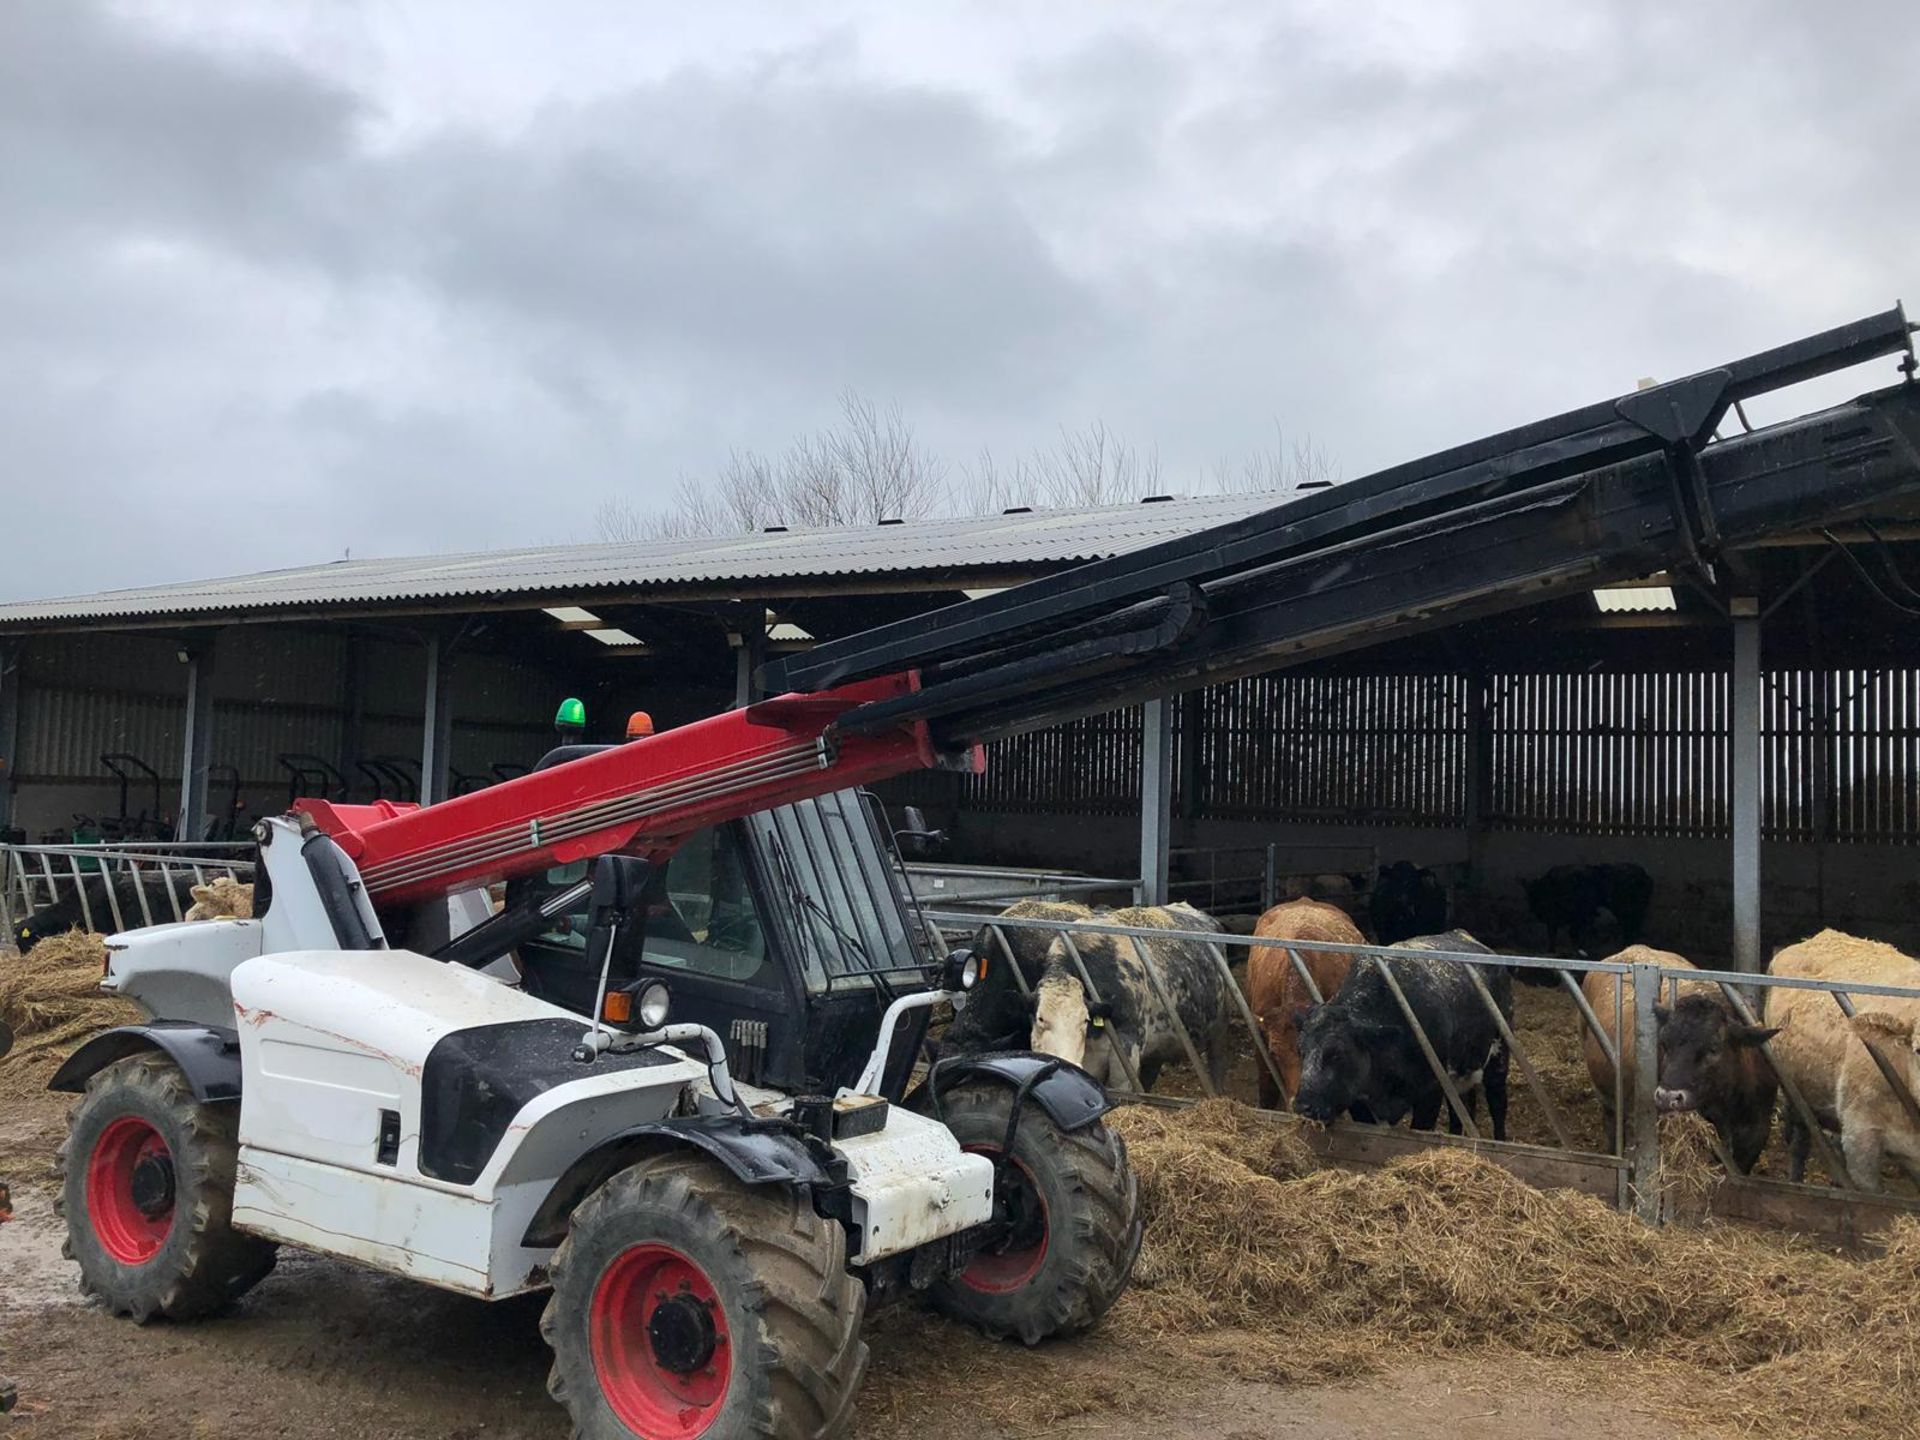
825	860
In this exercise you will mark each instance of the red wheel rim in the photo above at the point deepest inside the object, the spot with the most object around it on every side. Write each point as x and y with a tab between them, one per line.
660	1344
998	1272
130	1190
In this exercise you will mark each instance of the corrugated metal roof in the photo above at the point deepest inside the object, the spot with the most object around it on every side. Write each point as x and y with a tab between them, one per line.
968	543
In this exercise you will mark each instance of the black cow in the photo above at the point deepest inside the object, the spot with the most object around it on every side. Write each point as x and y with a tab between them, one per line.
1358	1055
998	1015
1407	900
67	911
1711	1062
1600	907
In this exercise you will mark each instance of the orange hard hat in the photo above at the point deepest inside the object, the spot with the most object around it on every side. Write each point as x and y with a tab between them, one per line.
639	725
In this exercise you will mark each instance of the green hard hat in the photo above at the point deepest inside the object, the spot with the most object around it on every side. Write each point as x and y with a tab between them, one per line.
571	715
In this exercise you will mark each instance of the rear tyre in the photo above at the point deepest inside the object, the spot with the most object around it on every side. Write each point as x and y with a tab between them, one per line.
1073	1208
146	1187
688	1305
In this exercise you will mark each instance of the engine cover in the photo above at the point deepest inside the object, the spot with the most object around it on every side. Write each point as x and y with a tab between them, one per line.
412	1115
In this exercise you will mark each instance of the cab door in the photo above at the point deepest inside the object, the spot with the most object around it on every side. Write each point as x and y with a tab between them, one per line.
698	927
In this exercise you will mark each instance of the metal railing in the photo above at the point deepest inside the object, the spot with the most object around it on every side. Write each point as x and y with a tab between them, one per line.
114	886
1628	1170
1218	877
962	887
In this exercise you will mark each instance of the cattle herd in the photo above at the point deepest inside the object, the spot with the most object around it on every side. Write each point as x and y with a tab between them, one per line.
1348	1037
1357	1037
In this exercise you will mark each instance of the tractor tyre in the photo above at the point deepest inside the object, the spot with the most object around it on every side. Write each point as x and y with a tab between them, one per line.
686	1304
146	1187
1073	1206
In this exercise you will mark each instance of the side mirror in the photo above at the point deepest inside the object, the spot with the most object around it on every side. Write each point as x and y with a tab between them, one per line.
618	882
914	838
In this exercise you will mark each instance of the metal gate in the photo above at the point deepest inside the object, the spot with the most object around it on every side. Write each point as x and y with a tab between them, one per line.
109	882
1625	1171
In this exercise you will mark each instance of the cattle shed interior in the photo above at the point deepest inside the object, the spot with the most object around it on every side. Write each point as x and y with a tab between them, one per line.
1759	756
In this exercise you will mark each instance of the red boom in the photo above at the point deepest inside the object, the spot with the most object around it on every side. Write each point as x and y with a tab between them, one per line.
639	797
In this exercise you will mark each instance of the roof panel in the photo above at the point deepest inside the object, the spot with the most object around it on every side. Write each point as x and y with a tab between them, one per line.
967	543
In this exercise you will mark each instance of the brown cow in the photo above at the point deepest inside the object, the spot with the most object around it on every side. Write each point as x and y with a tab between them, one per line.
1274	989
1816	1044
1600	989
1873	1121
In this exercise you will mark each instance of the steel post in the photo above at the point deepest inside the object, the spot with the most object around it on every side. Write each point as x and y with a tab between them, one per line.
196	743
1156	798
353	703
436	729
1644	1129
750	650
1479	776
1746	785
9	729
1192	739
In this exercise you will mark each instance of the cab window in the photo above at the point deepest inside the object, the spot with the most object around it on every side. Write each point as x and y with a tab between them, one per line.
700	915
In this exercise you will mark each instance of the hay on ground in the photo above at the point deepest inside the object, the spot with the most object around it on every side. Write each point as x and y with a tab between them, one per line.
1328	1271
51	999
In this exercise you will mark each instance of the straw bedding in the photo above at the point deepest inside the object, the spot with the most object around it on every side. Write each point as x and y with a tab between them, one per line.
1261	1265
1327	1272
51	1000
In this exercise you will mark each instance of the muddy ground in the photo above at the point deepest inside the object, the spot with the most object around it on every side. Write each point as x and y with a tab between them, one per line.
322	1349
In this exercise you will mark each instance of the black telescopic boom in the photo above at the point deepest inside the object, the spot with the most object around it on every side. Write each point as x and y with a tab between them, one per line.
1671	420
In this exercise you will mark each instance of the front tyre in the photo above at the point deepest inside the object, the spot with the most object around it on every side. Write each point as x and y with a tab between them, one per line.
686	1305
146	1188
1072	1210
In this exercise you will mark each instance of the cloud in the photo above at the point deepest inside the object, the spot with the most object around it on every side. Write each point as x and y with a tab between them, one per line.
339	293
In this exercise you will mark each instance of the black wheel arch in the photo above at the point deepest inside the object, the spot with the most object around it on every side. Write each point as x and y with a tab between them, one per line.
755	1154
1071	1097
207	1055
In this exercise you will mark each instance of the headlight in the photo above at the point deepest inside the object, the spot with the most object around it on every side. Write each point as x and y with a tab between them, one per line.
655	1002
963	967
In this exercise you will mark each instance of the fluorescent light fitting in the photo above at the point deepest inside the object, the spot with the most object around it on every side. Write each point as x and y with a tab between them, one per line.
1634	599
613	635
571	614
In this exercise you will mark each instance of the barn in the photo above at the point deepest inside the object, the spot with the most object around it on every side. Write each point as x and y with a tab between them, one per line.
1752	739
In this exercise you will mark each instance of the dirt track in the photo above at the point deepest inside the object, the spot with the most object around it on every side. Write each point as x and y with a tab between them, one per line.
322	1349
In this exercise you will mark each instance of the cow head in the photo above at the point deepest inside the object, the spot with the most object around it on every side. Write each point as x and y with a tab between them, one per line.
1892	1037
1336	1061
1703	1054
1060	1015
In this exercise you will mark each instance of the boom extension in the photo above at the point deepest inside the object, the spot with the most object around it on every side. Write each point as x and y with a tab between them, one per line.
1679	416
637	798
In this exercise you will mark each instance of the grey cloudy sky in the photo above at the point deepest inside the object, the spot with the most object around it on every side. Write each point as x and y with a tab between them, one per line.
277	280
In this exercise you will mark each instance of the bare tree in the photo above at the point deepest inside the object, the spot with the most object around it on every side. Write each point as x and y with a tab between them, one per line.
696	510
1286	466
1085	468
868	467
